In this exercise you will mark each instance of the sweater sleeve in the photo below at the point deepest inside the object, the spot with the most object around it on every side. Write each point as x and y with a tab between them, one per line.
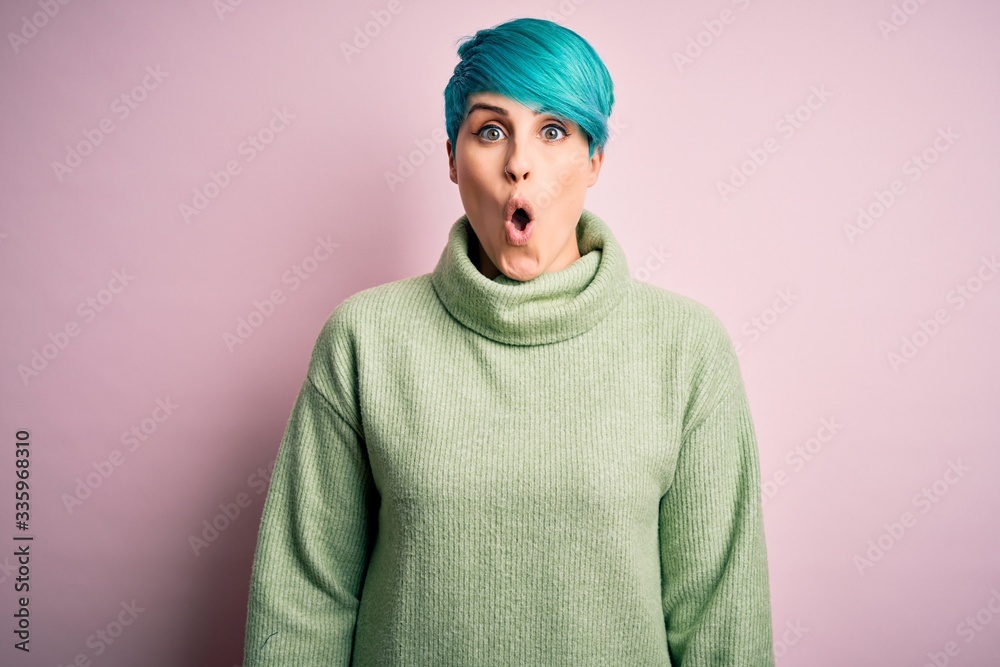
716	597
315	536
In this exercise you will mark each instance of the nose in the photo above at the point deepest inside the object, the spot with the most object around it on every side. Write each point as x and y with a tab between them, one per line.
517	168
514	175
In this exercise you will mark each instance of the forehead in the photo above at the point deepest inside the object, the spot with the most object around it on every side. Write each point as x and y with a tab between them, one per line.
490	98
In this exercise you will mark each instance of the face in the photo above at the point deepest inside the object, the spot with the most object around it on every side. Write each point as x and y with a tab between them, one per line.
547	173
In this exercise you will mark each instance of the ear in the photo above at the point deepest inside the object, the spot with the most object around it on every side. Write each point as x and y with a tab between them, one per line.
453	170
596	162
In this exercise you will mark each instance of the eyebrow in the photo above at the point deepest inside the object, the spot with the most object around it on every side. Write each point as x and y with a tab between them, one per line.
493	108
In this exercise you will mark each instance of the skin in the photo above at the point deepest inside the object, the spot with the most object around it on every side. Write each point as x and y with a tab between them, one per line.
549	166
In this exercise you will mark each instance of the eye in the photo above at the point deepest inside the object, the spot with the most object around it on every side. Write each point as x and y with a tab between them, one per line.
555	127
490	128
491	133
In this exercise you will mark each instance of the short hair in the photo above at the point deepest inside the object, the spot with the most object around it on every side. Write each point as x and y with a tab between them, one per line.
540	64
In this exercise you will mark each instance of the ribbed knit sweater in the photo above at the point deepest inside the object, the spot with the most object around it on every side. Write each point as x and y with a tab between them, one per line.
476	472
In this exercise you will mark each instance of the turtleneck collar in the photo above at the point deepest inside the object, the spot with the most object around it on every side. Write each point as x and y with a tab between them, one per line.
548	308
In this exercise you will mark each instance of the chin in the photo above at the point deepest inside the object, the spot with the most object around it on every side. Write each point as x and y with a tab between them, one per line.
522	270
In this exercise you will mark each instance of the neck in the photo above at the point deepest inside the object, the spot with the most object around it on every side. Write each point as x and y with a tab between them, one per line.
482	261
550	307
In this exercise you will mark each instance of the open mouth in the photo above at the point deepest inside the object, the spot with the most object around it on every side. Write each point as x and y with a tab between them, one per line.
520	212
520	219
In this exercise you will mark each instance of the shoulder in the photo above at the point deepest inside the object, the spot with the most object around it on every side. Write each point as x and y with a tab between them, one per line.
695	339
357	322
693	328
374	318
376	307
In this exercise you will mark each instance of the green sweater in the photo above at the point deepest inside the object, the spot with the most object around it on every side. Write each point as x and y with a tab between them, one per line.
476	472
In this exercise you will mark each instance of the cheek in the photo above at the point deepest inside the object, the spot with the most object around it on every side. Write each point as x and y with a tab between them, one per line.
473	169
572	174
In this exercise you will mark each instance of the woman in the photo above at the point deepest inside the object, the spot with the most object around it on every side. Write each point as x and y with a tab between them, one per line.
524	457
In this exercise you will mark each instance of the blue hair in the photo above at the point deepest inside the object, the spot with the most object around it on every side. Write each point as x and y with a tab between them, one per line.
540	64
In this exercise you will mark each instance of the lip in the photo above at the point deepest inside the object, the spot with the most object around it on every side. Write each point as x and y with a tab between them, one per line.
516	202
515	236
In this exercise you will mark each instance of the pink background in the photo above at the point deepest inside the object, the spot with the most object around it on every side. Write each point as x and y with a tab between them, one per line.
820	354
